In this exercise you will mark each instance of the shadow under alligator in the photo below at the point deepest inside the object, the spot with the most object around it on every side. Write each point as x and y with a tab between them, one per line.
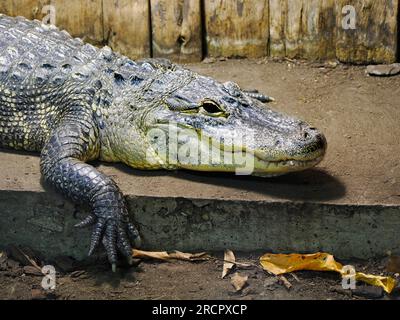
309	185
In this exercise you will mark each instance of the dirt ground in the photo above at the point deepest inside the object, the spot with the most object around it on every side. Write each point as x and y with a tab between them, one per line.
182	280
296	85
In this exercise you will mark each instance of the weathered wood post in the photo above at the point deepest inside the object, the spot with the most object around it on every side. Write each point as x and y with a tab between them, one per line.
303	29
237	28
356	31
83	19
176	29
374	36
127	27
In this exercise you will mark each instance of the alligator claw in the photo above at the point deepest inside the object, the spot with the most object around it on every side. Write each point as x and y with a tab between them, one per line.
110	242
89	220
96	235
116	236
134	235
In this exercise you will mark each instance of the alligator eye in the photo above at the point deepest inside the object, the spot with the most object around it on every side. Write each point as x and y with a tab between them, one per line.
211	107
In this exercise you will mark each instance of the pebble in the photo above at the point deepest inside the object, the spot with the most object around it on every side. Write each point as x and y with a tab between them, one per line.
209	60
384	70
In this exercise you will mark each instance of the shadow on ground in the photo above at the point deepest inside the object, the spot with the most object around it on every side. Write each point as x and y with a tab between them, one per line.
309	185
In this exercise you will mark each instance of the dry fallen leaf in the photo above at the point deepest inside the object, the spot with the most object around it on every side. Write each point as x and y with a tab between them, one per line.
238	281
23	256
229	262
189	256
165	256
279	264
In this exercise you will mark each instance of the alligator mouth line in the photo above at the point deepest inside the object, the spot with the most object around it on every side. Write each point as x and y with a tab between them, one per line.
295	163
257	166
277	168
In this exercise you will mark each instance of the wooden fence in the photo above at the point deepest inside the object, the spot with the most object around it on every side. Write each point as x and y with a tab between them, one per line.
188	30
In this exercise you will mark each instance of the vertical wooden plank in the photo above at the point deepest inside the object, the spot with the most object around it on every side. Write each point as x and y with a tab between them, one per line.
30	9
82	19
313	23
303	29
374	40
176	29
237	27
277	22
127	27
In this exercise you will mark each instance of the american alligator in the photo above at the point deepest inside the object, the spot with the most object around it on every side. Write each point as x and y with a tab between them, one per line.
75	103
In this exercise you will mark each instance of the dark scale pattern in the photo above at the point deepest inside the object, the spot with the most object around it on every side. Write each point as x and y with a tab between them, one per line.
50	85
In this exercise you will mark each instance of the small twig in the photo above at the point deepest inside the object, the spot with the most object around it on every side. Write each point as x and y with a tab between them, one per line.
295	277
285	282
239	264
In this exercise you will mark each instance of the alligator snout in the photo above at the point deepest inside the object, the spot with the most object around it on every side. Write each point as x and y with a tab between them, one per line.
311	144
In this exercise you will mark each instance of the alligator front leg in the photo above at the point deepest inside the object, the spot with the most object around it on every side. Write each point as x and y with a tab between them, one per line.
63	166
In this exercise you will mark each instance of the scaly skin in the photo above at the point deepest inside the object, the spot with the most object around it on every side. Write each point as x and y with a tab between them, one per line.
75	103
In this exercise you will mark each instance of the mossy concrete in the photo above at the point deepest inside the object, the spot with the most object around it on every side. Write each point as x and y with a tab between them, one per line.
45	222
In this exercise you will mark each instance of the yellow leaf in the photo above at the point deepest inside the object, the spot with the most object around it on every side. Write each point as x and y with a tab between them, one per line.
284	263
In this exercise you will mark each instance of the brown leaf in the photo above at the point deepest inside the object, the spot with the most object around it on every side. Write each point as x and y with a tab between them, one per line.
238	281
229	262
25	256
189	256
165	256
140	254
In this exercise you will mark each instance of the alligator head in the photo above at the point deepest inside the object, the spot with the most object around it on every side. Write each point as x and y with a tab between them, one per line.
179	119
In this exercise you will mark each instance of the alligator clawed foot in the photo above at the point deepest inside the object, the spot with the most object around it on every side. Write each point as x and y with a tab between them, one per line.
116	236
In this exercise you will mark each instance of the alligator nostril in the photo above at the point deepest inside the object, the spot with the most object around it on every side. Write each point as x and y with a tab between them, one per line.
306	134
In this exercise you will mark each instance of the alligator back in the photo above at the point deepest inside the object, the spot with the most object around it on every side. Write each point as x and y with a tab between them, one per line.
37	64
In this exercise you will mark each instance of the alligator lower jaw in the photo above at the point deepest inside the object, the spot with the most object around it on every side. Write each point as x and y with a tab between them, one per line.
262	168
277	168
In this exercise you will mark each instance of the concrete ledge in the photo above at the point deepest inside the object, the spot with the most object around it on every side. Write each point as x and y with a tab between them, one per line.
349	205
45	222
